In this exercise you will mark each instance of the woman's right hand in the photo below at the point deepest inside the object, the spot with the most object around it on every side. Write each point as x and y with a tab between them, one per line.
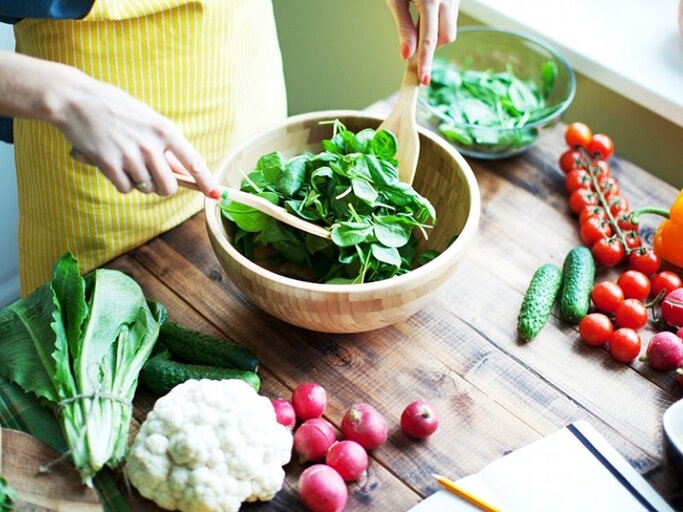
126	139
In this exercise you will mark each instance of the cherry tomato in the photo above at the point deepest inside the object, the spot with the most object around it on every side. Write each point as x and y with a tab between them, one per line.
665	281
571	159
633	241
595	329
578	178
578	134
606	295
624	221
593	230
592	212
601	145
617	205
624	345
603	169
609	186
608	252
634	284
582	197
645	260
631	313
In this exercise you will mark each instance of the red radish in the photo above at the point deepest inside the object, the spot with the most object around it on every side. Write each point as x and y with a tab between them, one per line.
284	412
665	351
419	420
322	489
363	424
679	332
309	401
672	308
312	439
348	458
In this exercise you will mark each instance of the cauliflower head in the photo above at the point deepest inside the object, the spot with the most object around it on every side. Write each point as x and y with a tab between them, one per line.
209	445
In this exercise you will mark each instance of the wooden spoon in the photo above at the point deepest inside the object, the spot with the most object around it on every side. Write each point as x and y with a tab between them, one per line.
401	121
260	204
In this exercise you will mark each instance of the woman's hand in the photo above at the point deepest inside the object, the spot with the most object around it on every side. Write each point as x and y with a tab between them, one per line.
127	140
437	26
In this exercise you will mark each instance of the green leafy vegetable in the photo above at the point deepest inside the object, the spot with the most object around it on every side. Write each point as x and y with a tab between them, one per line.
79	343
352	188
473	105
7	496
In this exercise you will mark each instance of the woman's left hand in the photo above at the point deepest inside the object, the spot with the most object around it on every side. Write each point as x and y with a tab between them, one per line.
437	26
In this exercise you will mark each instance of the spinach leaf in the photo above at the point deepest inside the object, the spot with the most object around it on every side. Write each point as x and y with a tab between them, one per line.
271	165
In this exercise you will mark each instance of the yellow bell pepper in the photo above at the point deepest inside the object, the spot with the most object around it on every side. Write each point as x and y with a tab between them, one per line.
668	240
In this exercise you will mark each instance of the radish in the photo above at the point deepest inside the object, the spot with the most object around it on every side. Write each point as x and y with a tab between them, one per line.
419	420
348	458
322	489
363	424
678	373
312	439
679	332
284	412
672	307
664	351
309	401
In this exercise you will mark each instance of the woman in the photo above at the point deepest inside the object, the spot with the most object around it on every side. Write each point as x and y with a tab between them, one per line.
129	84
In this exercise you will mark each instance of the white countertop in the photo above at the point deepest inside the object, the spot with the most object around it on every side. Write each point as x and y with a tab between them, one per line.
630	46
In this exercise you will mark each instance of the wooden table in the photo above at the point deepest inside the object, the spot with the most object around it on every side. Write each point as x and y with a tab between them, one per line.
460	353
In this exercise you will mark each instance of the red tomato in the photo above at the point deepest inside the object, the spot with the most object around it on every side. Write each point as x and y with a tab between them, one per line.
624	221
582	197
665	281
592	212
601	145
571	159
617	205
608	252
633	241
578	134
593	230
595	329
624	345
606	296
578	178
603	169
609	187
634	284
631	313
645	260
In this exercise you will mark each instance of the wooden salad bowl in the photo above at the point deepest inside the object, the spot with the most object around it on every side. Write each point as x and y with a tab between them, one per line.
443	176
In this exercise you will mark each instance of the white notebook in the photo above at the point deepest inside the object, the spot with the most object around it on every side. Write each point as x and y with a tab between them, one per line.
573	469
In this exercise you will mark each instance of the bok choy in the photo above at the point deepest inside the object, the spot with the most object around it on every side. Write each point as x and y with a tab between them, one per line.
79	343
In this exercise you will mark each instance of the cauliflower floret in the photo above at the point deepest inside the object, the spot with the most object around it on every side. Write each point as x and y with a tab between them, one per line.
208	446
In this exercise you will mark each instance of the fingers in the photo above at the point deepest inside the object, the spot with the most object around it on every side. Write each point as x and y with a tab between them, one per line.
136	169
407	33
448	22
429	33
191	163
164	182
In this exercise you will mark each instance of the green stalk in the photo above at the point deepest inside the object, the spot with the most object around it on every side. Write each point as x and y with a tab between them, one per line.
635	216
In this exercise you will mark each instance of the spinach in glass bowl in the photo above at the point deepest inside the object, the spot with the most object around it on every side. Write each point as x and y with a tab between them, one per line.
491	99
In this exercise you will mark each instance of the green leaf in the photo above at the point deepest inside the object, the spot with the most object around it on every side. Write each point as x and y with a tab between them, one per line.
388	255
271	165
69	288
392	230
384	145
292	178
364	191
246	217
549	72
427	256
382	172
346	234
284	240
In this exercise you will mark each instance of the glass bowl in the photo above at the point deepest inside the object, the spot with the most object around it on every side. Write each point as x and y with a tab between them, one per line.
504	115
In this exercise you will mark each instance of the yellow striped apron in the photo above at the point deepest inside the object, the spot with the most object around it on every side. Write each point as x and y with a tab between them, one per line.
212	66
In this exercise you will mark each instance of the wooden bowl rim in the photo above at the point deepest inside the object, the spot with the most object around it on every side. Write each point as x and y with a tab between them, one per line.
414	277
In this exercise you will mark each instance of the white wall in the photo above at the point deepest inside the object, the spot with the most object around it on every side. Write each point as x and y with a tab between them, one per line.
9	268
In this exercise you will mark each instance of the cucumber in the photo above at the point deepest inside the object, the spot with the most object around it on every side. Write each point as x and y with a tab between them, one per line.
578	274
194	347
538	301
160	375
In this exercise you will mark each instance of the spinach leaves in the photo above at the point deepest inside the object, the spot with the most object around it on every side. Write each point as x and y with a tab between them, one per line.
352	188
486	101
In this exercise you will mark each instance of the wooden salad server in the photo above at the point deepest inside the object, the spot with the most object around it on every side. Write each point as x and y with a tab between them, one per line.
401	121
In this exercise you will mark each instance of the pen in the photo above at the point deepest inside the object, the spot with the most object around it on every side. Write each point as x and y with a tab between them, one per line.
467	496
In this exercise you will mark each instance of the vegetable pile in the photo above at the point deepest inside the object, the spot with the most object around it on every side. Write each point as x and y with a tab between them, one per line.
79	344
352	188
471	102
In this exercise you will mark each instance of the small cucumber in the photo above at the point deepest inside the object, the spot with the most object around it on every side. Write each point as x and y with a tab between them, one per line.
578	274
195	347
160	375
538	301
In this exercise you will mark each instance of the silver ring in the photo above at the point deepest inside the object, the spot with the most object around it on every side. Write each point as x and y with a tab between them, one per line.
143	185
